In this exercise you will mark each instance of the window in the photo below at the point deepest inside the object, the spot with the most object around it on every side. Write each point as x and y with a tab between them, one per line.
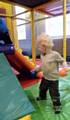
19	21
68	25
21	32
54	26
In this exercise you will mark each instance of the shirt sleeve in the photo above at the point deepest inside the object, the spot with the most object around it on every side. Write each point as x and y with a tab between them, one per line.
59	58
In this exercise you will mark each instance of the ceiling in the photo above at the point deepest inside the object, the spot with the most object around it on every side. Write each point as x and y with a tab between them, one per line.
55	8
29	3
50	7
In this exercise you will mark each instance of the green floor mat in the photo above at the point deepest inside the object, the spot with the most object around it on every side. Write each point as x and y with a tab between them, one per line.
13	101
44	110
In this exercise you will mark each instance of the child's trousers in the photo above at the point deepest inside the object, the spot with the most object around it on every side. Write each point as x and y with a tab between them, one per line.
53	87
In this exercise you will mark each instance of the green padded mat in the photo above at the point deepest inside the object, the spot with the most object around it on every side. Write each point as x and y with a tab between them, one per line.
13	100
44	110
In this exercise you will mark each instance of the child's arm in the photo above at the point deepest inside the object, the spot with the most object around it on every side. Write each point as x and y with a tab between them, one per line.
59	59
37	68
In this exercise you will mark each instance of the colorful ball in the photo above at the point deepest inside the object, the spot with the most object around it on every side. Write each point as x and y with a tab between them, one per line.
63	72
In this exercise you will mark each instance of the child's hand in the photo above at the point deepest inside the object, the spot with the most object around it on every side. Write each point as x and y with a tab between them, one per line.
37	68
39	74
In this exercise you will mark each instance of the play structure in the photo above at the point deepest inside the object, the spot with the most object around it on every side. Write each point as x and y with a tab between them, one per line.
15	102
19	62
12	109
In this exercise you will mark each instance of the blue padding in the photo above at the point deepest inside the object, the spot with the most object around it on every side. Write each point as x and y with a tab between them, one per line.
8	49
3	27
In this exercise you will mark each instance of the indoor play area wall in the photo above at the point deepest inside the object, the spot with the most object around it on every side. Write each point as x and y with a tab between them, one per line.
26	44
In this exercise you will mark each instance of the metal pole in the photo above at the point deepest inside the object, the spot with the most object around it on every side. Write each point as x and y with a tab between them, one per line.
64	29
33	37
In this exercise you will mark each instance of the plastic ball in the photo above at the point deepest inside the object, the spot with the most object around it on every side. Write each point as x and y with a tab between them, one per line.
33	74
63	72
40	74
20	50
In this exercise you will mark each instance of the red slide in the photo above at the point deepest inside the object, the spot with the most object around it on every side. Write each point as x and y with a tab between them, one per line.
19	61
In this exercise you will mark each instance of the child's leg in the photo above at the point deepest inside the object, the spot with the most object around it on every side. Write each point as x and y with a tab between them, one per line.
43	89
54	93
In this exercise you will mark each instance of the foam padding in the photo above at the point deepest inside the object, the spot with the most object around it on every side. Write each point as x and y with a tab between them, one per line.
44	108
14	103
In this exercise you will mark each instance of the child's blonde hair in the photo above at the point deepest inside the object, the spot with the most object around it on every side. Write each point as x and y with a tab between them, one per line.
46	39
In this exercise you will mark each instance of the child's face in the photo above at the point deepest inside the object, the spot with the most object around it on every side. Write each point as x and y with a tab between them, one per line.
42	47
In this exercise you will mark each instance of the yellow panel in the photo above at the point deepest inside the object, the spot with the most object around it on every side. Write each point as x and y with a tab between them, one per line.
28	117
15	35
